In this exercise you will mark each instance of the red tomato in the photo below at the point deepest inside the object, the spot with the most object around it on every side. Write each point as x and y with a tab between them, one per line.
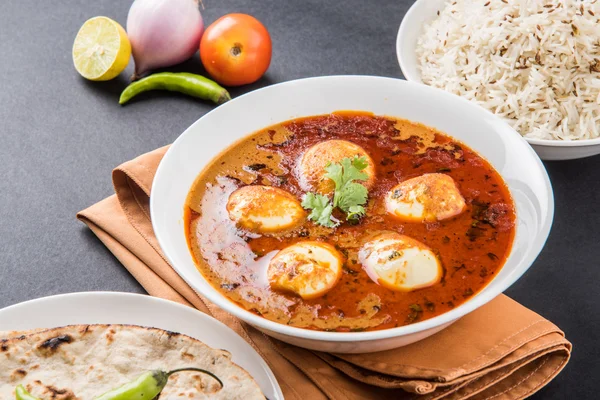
236	49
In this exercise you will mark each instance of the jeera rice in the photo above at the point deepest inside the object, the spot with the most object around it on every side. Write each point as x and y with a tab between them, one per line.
534	62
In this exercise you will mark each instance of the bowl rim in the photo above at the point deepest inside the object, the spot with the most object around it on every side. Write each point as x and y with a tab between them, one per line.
404	32
262	323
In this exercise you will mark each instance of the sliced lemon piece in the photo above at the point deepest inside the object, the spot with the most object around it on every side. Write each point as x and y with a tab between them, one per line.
101	50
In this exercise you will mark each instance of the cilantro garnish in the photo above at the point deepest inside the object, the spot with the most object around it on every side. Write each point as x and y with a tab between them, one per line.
349	196
321	209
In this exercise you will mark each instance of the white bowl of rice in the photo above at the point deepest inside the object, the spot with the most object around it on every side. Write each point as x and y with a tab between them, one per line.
536	63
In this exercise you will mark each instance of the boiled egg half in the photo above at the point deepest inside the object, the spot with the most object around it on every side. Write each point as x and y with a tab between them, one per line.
264	209
399	262
309	269
429	197
316	158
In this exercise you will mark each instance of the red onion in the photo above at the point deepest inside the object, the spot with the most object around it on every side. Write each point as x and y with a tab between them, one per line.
163	32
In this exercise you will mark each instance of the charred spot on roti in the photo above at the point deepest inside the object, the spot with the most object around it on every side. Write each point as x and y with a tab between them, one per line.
18	374
85	329
204	385
52	344
187	355
3	346
226	353
171	334
58	394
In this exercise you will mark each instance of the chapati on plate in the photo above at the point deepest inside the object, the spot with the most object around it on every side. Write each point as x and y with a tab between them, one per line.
84	361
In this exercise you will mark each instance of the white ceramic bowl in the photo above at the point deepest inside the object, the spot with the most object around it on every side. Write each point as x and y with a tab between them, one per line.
424	11
504	148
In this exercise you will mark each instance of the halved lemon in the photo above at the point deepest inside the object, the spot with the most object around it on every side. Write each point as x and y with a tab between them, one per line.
101	50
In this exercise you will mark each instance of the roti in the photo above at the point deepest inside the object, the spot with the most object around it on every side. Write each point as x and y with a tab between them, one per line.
80	362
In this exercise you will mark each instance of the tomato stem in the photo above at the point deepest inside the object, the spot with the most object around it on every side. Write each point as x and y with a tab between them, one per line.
236	50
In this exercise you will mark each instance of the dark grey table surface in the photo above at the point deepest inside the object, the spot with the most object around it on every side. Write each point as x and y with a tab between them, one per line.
62	135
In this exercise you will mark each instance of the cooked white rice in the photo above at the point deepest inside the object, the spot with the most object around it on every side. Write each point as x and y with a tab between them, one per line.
535	62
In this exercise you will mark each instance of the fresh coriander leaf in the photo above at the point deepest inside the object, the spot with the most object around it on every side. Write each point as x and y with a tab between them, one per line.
326	219
358	210
321	209
312	201
355	212
335	173
349	196
352	169
342	174
352	194
360	163
347	170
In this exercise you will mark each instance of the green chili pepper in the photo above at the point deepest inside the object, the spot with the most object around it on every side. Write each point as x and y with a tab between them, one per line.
182	82
147	386
22	394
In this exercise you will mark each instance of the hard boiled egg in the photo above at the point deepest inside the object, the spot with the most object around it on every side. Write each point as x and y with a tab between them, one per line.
316	158
264	209
309	269
429	197
399	262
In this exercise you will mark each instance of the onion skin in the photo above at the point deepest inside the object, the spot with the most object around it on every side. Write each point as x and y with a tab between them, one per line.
163	33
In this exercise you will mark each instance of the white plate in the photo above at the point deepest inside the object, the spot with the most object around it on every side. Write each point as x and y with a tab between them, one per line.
423	12
137	309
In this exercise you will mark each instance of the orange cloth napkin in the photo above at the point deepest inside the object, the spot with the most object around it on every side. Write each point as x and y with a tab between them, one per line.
500	351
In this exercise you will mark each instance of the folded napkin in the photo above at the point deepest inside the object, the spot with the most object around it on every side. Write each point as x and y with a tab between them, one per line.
500	351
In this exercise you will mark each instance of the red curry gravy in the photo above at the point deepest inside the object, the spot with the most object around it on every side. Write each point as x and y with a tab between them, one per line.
472	246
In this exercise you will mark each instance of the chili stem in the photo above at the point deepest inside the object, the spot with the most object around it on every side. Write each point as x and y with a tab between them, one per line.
197	370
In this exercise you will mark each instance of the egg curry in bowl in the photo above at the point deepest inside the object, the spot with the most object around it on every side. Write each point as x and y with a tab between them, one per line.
349	222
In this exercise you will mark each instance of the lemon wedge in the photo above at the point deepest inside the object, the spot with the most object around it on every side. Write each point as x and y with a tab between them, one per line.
101	50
